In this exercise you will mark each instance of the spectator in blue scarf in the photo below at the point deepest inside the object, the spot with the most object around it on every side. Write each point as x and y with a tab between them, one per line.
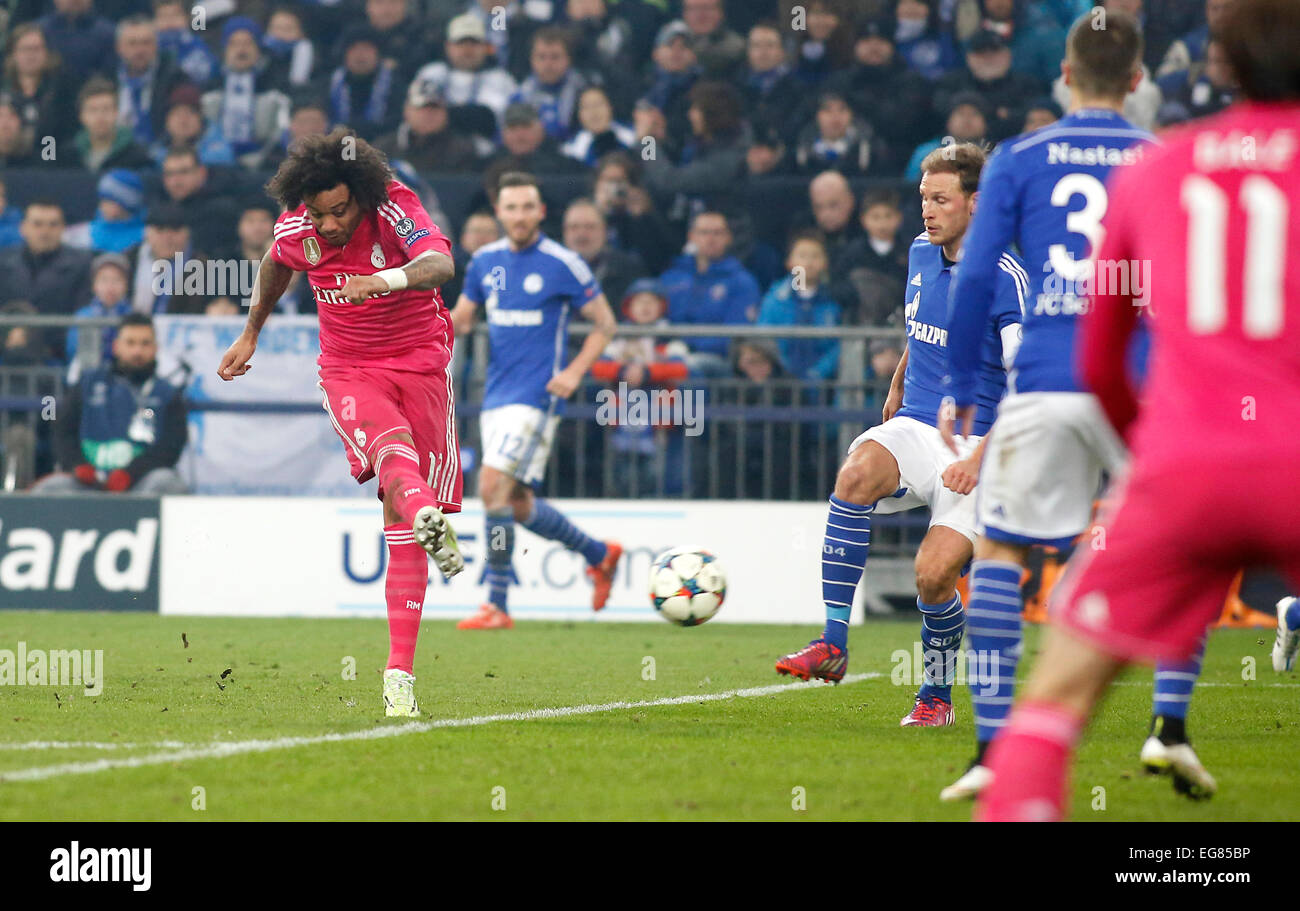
365	92
245	104
553	85
118	224
110	275
171	19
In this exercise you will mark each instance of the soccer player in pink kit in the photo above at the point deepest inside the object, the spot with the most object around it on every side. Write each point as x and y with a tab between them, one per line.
1222	401
375	262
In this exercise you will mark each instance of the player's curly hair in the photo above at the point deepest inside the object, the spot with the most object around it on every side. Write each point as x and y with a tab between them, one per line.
318	163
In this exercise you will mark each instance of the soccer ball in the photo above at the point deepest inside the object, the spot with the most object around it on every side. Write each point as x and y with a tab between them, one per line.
687	585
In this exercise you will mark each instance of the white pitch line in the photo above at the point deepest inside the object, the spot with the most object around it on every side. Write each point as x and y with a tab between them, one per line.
90	745
235	748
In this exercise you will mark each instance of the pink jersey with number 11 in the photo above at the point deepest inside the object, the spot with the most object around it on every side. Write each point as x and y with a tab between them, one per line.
1210	223
399	330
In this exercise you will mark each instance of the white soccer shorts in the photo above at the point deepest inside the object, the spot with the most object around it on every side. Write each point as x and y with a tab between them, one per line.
1043	467
517	440
922	456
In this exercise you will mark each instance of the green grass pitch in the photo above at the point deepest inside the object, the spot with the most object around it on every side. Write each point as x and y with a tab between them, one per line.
818	752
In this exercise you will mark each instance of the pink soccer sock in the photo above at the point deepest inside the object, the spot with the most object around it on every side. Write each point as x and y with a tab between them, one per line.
1030	761
404	584
398	468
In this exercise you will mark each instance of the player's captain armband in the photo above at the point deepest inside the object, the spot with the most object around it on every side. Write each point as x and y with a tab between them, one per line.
396	278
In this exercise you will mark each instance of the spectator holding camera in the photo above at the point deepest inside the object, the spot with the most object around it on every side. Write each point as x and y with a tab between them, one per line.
631	222
121	427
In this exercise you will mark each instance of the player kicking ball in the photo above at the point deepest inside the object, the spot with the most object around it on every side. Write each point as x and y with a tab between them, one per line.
1224	255
375	262
1051	444
902	463
527	285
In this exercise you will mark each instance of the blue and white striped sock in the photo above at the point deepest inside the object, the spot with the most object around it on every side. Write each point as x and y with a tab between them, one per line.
1175	681
500	547
1292	614
844	556
547	521
941	630
993	643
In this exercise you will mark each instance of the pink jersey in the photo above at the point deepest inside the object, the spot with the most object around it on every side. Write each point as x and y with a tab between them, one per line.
1211	222
401	330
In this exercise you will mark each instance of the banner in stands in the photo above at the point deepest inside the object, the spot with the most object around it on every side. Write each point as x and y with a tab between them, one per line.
232	453
79	553
326	558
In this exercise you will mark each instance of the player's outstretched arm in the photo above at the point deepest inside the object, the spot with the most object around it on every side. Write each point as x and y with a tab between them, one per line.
596	310
894	400
272	278
462	316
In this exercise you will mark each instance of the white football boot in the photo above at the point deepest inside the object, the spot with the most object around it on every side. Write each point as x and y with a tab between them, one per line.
434	533
1287	642
968	787
1180	761
399	694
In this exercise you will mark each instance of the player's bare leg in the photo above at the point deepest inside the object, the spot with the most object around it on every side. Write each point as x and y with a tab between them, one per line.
869	473
1030	759
993	646
939	561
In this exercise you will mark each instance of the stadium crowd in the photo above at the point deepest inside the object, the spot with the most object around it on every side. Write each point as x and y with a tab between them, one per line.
663	118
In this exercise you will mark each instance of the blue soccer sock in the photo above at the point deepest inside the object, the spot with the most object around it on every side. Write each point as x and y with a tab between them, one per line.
941	630
1173	693
500	547
547	521
1292	615
844	556
993	643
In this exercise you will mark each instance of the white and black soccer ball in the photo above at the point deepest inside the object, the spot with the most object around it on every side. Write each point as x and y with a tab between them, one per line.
687	585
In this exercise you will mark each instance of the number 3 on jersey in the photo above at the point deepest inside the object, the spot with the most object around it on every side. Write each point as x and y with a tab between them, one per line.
1086	221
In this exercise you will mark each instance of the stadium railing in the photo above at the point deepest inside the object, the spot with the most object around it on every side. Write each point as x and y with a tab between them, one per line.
718	437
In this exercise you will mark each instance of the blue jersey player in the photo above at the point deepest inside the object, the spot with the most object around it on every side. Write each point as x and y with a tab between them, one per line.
528	285
1046	192
903	463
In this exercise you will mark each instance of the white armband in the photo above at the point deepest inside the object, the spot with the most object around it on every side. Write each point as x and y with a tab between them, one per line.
396	278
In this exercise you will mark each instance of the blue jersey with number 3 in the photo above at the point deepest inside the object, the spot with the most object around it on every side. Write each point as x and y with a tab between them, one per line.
1045	192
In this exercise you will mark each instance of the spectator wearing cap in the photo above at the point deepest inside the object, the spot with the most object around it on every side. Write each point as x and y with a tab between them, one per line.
923	40
118	224
884	90
477	89
600	133
81	38
586	233
967	121
158	267
247	106
988	72
767	82
121	426
1040	113
825	44
527	148
42	91
425	138
674	73
206	206
718	49
836	140
145	79
365	92
802	298
171	19
553	85
102	144
709	286
110	275
402	40
185	126
766	153
291	57
44	270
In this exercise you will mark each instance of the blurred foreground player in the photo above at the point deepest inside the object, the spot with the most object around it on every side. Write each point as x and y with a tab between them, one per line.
1222	400
375	262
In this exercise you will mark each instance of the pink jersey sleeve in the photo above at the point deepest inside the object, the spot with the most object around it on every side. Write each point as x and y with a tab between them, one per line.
1103	343
287	237
403	221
